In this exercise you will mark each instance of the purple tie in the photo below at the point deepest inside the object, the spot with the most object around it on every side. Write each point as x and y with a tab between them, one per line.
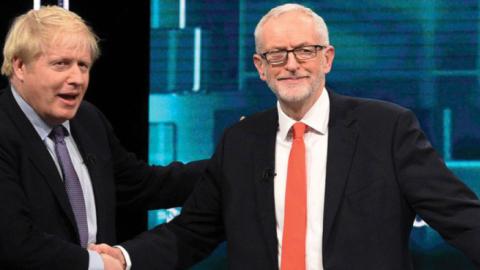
72	183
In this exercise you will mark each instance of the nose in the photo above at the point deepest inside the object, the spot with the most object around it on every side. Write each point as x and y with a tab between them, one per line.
292	63
76	76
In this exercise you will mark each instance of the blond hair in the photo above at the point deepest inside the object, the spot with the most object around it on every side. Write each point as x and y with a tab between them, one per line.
35	30
279	10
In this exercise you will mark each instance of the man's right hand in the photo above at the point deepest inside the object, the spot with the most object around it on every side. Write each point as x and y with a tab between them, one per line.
111	263
112	257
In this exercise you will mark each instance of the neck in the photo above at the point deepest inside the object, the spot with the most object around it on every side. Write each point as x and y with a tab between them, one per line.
294	111
297	109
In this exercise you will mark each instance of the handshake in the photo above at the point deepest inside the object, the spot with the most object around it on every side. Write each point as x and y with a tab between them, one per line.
112	257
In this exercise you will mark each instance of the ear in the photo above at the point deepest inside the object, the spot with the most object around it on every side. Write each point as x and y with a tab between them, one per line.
19	67
260	65
328	56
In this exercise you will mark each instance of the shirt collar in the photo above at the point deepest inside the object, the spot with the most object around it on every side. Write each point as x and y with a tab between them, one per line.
316	118
42	128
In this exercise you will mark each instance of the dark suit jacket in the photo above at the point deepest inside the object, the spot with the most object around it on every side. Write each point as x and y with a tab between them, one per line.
37	226
381	171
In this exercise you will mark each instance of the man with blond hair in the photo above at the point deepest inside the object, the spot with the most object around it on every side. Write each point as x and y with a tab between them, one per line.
321	181
63	172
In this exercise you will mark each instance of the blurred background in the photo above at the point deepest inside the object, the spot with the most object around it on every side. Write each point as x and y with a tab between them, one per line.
175	73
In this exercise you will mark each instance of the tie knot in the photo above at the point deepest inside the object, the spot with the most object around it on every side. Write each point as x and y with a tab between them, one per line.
58	133
298	130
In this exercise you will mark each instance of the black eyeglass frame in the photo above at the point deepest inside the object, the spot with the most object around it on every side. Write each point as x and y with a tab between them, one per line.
294	51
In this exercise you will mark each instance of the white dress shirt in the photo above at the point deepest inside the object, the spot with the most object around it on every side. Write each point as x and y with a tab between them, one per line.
316	142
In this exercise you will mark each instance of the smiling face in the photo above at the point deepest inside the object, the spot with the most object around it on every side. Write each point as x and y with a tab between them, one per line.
55	82
297	84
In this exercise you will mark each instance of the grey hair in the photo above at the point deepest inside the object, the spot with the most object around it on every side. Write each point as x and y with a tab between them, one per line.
279	10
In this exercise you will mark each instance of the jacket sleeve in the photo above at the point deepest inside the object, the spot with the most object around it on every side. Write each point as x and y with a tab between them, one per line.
140	186
439	197
191	236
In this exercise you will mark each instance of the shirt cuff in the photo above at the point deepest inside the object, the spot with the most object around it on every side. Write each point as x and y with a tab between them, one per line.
128	262
95	261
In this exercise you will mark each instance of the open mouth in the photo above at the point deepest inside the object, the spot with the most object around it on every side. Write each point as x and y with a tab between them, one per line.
68	99
68	96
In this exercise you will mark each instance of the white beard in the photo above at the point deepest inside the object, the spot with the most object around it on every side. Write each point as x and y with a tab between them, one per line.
294	94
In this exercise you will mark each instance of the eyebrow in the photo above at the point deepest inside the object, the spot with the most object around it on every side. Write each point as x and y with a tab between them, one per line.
285	48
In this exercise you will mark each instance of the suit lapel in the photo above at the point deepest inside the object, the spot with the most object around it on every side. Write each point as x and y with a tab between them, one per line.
264	167
342	139
37	152
89	151
86	146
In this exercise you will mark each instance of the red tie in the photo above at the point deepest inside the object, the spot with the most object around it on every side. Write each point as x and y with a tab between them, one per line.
295	217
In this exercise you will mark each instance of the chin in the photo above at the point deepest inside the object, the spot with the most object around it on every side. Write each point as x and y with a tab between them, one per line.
60	118
293	98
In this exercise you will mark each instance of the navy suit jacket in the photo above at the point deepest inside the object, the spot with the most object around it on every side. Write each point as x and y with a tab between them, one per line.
381	172
37	226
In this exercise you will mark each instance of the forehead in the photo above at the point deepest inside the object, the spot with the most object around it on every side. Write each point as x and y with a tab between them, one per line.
289	30
68	45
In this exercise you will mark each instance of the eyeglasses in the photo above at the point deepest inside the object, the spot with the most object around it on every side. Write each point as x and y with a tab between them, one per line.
277	57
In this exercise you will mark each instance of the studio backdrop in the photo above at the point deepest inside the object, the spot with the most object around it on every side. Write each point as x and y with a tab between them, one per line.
423	55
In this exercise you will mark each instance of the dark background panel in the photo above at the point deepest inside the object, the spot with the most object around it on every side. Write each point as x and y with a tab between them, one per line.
119	79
